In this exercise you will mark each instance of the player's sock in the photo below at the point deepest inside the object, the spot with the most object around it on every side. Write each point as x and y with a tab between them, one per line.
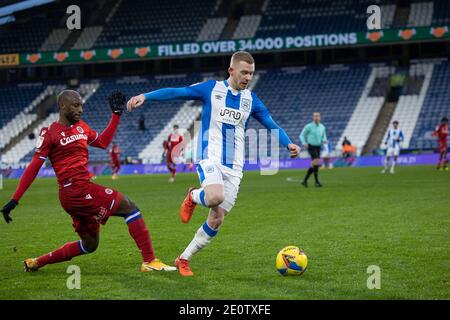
316	173
386	165
308	174
201	239
198	196
65	253
139	232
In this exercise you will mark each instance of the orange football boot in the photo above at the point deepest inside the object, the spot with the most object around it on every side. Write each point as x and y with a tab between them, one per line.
187	207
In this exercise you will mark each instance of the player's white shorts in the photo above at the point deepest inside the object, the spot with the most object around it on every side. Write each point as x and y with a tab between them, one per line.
211	173
393	151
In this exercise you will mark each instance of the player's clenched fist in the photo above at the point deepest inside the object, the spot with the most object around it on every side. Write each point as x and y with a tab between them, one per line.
294	150
135	102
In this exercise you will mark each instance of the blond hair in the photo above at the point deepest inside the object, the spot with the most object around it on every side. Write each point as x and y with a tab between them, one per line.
241	56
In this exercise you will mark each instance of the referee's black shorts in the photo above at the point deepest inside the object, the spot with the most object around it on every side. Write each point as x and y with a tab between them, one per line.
314	152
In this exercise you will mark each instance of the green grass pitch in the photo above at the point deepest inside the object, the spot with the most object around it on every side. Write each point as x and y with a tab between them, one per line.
360	218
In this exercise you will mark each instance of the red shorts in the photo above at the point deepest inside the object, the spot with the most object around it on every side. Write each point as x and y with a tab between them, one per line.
442	147
89	205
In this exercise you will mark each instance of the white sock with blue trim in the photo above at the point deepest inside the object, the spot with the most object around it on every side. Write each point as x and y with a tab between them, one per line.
201	239
198	195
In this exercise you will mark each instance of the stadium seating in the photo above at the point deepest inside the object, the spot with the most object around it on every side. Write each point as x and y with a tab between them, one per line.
344	94
435	105
212	29
16	98
247	27
441	12
293	94
409	106
131	141
317	17
142	22
420	14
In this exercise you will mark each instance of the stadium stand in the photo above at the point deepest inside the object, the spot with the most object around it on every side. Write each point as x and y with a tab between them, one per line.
15	98
324	16
88	37
291	96
201	20
435	105
420	14
27	115
348	101
409	106
366	111
97	114
155	22
441	12
55	40
212	29
29	33
247	27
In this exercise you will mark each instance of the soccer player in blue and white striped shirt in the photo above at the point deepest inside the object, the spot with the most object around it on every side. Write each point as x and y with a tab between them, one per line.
227	107
393	139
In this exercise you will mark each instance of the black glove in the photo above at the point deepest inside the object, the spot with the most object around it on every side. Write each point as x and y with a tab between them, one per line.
117	101
8	208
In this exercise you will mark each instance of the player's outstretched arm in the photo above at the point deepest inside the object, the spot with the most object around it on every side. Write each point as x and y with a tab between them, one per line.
26	180
261	114
193	92
117	102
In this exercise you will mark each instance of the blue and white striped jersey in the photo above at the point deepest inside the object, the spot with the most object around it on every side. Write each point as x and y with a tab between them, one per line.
224	119
225	116
393	138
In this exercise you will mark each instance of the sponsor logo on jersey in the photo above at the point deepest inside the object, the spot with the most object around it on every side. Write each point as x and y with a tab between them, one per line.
219	96
229	116
101	215
209	169
72	138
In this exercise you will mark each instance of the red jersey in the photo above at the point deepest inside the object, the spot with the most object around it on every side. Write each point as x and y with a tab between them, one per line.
114	152
441	132
172	141
67	150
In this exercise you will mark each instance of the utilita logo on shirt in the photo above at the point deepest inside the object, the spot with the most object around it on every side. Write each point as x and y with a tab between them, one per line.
73	138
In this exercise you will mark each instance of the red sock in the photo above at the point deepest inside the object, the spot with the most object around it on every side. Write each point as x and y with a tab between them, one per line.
65	253
139	232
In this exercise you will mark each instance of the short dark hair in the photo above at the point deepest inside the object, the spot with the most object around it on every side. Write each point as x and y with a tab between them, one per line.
242	56
175	126
444	119
395	122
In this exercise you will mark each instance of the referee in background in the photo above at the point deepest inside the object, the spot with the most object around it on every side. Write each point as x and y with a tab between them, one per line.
312	137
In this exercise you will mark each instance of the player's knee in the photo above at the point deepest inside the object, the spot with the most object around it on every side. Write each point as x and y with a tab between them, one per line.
214	199
90	245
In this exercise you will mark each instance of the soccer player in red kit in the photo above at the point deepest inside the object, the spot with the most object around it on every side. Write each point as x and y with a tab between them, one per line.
441	132
65	143
114	154
172	151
